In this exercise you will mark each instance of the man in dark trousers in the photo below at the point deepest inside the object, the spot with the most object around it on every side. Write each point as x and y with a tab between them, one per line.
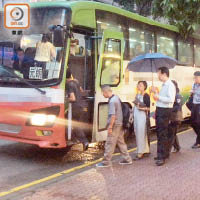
74	97
165	100
195	114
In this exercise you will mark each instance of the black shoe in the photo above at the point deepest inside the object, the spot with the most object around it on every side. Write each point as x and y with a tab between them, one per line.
160	162
138	157
195	146
156	158
146	154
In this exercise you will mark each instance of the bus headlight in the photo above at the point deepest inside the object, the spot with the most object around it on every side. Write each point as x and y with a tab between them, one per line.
42	120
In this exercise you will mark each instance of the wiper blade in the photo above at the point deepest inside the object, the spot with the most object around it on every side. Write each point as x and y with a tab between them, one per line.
23	80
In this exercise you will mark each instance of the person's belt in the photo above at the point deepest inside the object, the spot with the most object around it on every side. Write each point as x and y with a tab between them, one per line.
162	108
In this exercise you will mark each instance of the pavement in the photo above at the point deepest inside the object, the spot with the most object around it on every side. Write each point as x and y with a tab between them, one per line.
178	179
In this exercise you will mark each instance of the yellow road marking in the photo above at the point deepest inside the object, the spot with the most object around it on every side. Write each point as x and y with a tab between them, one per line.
16	189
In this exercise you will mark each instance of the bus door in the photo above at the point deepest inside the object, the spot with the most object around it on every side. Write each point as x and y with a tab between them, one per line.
109	72
81	62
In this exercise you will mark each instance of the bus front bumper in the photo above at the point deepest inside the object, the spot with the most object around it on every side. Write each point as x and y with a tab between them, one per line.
40	143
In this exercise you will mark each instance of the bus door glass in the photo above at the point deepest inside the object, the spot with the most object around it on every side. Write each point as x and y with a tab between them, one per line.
81	64
109	72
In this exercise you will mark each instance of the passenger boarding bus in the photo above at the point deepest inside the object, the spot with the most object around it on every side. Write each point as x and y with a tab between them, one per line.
97	41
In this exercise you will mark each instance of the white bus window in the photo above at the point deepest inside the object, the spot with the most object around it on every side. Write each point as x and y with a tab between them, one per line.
197	54
185	53
104	25
106	20
102	118
110	73
166	46
140	42
77	46
112	47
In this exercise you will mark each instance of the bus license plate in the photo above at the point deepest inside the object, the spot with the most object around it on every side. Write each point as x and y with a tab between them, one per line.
35	73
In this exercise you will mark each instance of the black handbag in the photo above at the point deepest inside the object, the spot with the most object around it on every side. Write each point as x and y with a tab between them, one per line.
189	103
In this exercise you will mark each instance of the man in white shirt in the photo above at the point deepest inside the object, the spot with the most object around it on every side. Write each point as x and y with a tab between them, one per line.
165	100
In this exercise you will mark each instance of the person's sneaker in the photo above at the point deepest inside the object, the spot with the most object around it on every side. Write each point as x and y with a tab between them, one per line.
195	146
103	165
125	162
176	150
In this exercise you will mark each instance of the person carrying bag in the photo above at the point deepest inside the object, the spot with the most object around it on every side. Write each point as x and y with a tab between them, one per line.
141	121
175	120
195	112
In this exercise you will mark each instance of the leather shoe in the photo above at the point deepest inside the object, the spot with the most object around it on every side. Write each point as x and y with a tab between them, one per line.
196	146
156	158
160	162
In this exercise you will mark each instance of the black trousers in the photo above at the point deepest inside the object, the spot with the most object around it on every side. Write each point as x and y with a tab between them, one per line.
78	115
195	121
173	139
163	131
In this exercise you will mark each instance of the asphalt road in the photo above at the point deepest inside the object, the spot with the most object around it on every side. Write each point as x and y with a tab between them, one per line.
23	163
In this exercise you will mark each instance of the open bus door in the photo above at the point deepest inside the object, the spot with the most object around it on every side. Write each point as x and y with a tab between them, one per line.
109	72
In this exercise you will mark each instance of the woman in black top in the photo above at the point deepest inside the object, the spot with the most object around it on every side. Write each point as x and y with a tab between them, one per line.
141	120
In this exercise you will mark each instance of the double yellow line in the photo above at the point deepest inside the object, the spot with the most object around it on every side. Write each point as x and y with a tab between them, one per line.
48	178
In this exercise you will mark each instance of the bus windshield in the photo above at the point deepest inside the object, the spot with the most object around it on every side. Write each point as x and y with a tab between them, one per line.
31	53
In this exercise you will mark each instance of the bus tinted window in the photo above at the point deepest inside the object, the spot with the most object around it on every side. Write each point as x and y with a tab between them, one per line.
197	54
166	46
114	22
185	53
111	63
140	41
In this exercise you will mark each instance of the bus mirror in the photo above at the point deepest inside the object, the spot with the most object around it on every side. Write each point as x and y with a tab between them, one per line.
58	35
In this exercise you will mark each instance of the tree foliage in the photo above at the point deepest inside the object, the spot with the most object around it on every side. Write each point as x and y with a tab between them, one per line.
185	14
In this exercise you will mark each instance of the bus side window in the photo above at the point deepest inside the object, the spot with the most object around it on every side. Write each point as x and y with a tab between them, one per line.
110	72
111	65
197	55
185	53
166	45
140	41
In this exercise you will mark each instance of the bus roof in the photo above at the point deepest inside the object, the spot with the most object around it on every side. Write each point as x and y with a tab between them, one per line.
90	6
83	13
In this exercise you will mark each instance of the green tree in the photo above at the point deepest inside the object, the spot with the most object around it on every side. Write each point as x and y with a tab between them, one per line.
185	14
142	7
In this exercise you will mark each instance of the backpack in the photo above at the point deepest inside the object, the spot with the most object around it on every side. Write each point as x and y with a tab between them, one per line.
126	115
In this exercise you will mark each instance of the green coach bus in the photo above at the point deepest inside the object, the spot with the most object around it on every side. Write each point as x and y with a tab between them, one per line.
98	41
